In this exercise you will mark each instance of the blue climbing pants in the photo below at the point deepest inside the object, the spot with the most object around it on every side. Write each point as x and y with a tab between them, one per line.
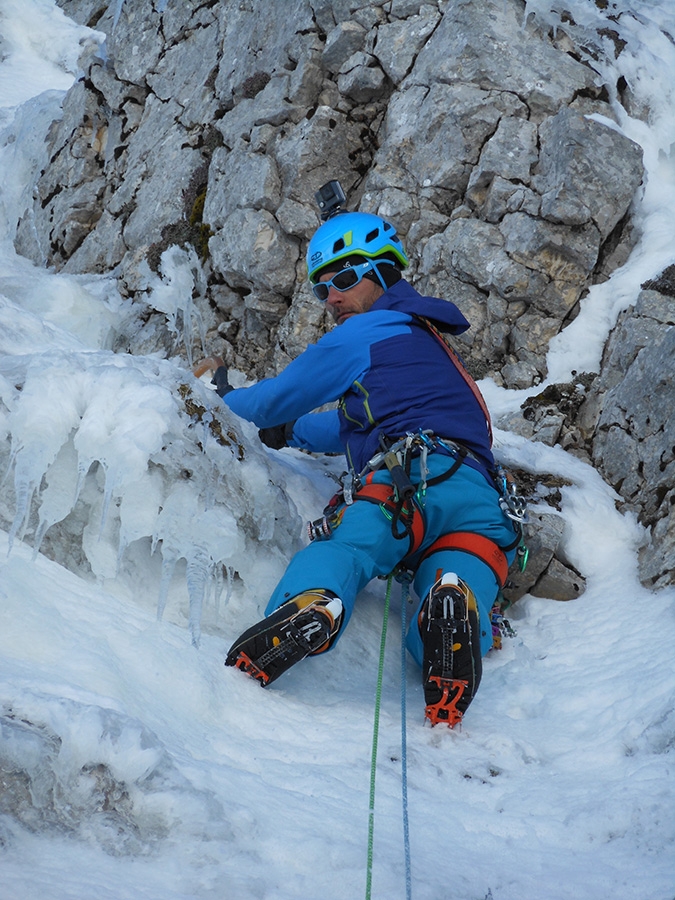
363	547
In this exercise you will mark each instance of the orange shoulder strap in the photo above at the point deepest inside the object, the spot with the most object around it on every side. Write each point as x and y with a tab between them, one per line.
459	365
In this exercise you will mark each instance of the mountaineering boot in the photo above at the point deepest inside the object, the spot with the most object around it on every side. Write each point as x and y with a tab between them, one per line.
452	664
304	625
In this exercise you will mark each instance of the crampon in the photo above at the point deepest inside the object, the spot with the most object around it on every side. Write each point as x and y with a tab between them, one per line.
303	626
452	658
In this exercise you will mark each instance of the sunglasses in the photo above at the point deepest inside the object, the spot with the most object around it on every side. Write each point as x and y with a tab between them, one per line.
346	279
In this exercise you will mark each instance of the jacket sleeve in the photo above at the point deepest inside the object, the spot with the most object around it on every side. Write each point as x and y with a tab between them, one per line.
318	432
320	375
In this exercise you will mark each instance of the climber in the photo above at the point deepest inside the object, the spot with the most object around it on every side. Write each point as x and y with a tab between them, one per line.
419	499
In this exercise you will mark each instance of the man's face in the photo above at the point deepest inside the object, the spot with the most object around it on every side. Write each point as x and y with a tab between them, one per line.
355	300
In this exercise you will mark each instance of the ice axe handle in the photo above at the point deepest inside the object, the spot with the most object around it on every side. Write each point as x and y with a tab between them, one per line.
404	486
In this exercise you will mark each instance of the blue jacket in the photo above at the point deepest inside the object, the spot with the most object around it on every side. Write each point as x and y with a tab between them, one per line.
390	374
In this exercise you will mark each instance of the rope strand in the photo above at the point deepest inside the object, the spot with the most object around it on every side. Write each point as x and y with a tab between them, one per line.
376	729
405	591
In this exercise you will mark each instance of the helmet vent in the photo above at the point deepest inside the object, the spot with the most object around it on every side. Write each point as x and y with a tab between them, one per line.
372	235
338	245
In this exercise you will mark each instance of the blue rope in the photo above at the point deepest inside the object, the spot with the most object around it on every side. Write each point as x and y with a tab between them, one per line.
404	748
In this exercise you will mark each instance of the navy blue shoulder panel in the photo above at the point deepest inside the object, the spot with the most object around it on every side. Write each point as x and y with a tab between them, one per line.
411	384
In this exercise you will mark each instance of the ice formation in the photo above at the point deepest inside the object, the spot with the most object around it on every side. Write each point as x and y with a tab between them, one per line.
135	451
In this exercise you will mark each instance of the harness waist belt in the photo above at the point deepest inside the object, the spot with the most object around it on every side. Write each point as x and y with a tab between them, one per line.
458	447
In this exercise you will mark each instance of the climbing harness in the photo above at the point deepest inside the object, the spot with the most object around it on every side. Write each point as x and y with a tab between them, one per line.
401	501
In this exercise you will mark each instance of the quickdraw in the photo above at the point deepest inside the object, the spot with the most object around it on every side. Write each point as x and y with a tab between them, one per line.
501	627
512	504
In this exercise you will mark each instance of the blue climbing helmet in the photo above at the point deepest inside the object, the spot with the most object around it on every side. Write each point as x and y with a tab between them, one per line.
350	234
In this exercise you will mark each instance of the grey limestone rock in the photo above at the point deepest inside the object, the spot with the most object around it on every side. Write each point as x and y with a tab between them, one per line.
545	575
251	249
344	41
489	45
634	442
588	172
431	114
361	79
400	41
239	178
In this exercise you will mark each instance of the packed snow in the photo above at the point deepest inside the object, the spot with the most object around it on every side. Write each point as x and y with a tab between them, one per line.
134	765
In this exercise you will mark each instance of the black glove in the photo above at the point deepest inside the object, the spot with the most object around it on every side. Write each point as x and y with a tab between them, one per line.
277	436
223	386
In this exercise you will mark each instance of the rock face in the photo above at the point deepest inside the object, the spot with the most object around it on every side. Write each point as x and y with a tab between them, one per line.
622	420
630	414
487	141
213	124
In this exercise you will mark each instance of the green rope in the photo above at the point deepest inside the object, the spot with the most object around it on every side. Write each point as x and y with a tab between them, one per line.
376	728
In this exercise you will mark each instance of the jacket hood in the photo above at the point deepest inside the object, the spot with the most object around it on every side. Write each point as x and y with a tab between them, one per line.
402	297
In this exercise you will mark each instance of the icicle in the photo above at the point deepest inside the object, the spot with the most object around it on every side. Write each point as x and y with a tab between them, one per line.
107	497
59	496
188	308
82	472
173	293
10	463
168	566
138	510
40	536
225	580
198	569
201	325
24	489
230	582
117	14
218	582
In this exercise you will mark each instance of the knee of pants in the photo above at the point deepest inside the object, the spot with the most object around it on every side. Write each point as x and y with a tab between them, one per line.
480	578
335	567
361	548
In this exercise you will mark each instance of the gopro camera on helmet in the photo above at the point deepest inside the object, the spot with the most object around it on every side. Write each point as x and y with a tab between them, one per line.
329	199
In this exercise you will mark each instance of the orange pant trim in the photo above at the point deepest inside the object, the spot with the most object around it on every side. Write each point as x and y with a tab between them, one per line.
482	547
